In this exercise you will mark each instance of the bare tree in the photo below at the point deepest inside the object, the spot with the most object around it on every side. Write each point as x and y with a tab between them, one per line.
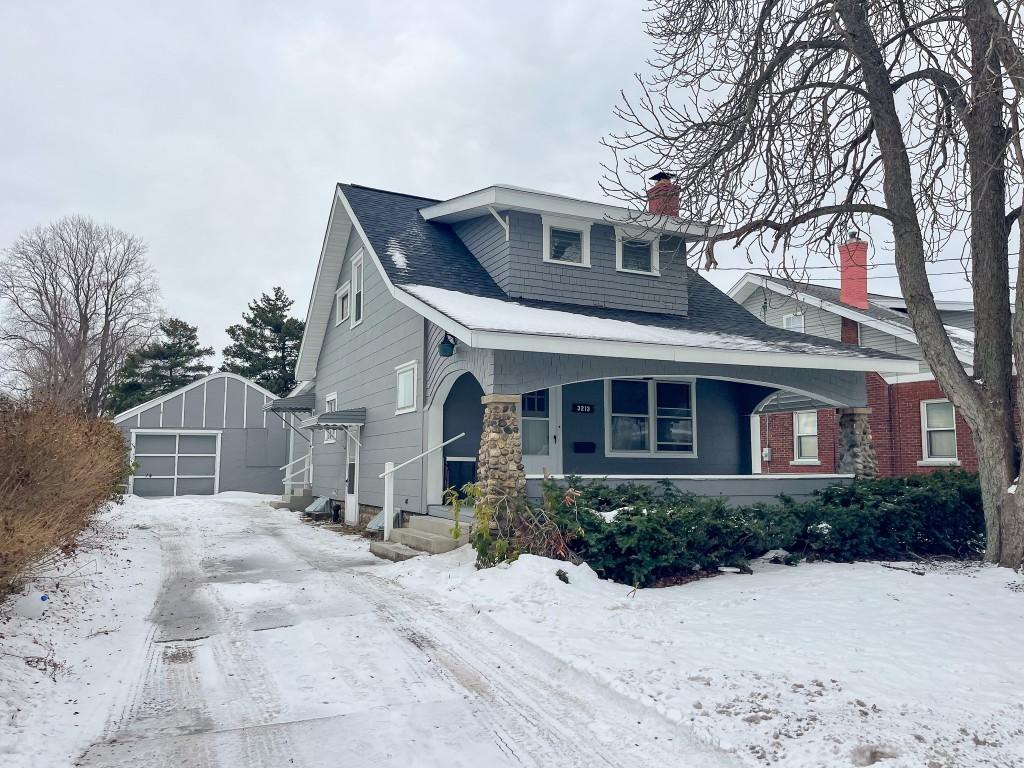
75	298
794	121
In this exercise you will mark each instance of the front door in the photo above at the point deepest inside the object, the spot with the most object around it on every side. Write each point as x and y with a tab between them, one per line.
351	477
540	428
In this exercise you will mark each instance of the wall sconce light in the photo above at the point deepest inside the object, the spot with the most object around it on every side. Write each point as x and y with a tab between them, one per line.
446	347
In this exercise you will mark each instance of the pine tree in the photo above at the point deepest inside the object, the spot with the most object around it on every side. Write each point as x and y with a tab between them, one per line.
265	345
169	363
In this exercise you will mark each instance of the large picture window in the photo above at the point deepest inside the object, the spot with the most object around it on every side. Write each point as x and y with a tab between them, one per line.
938	431
650	417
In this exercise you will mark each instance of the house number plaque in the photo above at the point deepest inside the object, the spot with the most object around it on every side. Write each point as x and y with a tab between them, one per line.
582	408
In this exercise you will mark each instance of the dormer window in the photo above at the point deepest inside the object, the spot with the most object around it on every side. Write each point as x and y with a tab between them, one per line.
636	254
566	241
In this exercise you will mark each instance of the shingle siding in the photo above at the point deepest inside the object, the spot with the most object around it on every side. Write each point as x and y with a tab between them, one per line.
485	239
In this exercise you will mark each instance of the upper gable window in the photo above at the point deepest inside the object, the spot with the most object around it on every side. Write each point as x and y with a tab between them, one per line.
793	322
636	254
566	241
342	304
357	289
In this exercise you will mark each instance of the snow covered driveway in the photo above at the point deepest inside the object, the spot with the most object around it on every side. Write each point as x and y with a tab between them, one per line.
270	643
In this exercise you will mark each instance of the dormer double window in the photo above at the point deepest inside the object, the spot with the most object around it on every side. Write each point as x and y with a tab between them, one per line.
566	241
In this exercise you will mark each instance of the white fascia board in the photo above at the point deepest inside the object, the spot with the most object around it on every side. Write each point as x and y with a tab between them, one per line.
478	203
743	287
135	410
896	302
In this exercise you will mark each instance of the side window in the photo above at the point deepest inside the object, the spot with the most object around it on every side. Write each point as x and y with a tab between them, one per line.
405	386
938	431
805	436
357	289
342	304
330	404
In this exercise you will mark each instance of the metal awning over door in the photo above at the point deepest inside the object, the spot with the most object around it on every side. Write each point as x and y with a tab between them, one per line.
175	463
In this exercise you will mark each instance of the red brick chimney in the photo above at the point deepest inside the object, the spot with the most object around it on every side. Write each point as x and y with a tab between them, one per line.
853	272
663	197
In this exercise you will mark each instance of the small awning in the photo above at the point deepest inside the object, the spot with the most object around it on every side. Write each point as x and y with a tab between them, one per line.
353	417
294	404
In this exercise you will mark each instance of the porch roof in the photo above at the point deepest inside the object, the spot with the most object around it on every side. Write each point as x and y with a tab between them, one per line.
353	417
293	404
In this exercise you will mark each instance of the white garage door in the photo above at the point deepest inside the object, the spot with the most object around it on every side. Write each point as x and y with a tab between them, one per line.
175	463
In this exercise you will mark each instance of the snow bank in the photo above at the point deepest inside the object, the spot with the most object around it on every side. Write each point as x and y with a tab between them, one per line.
822	664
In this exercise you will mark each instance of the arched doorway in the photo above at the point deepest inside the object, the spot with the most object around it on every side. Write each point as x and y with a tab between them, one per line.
463	412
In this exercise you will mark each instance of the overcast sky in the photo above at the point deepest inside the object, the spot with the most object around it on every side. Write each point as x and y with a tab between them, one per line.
216	130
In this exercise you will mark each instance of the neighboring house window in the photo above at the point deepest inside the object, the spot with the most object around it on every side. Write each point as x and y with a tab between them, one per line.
938	428
567	241
342	304
805	436
405	400
793	322
330	404
357	289
635	254
650	417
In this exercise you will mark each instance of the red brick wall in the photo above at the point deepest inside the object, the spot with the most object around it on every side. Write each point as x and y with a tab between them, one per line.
849	333
777	433
905	420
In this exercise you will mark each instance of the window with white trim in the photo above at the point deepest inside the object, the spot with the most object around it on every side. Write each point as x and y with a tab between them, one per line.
636	254
566	241
938	430
654	417
805	436
330	404
342	304
357	289
405	387
794	322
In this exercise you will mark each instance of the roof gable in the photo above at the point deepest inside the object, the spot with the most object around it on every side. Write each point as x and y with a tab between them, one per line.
135	410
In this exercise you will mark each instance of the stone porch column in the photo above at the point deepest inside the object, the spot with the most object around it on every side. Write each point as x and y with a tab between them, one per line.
856	450
499	468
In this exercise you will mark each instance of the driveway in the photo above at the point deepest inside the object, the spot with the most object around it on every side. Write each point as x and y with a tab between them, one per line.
276	644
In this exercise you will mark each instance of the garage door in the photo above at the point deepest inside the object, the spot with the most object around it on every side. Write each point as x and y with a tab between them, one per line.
175	463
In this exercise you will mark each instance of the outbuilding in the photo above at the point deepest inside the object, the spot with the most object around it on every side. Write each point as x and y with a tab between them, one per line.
209	436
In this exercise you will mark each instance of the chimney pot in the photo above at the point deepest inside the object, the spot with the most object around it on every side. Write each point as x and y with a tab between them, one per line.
663	196
853	272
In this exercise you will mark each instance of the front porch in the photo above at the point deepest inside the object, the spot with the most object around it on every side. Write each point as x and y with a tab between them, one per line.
643	421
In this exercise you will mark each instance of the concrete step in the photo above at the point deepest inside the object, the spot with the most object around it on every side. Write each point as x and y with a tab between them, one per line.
431	543
390	550
439	525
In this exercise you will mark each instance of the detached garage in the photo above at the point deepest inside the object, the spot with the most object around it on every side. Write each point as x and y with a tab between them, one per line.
210	436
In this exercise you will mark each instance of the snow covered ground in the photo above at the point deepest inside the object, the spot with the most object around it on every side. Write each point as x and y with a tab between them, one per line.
818	665
217	631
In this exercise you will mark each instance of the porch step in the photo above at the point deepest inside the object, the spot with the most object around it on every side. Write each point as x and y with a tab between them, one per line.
444	512
390	550
439	525
295	501
423	541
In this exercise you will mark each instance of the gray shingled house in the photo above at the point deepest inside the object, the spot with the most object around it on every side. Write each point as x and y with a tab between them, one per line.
209	436
557	335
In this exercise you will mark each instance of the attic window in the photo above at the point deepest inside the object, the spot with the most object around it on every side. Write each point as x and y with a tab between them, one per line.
566	241
793	322
636	254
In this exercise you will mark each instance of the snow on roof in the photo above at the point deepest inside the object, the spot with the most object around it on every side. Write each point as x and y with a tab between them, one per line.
479	313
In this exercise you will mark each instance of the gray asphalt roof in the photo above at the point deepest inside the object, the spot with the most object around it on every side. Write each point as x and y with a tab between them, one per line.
414	251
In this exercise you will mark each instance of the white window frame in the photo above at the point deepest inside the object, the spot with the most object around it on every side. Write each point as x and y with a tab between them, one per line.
622	235
356	289
797	434
344	290
652	451
404	368
330	435
937	461
573	225
803	322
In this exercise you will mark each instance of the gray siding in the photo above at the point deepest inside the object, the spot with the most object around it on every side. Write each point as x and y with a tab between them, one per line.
359	365
250	456
529	276
959	319
485	238
479	362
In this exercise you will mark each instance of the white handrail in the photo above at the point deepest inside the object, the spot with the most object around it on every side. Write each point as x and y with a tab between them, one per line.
301	458
388	476
437	447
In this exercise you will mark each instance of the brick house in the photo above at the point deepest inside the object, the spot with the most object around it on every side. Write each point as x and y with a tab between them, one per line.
914	426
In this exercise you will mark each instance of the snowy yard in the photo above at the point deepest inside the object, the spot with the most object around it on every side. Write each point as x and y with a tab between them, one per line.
216	631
